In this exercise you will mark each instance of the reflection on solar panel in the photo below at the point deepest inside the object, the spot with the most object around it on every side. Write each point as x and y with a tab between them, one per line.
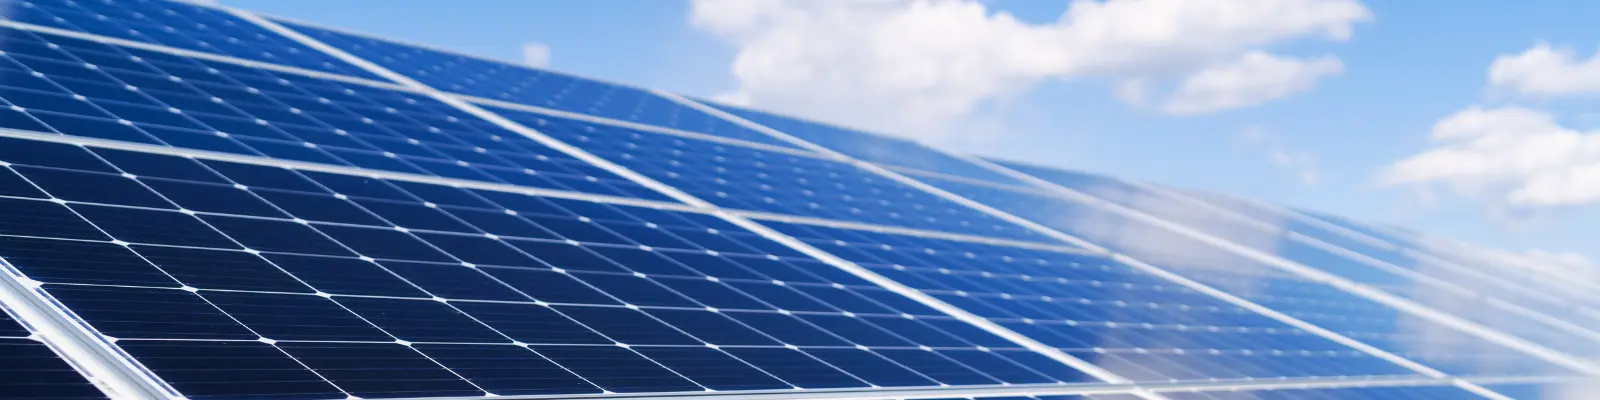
199	202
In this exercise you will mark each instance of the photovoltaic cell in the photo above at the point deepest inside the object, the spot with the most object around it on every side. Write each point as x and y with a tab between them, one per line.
1132	324
177	25
503	81
31	370
133	95
753	179
471	309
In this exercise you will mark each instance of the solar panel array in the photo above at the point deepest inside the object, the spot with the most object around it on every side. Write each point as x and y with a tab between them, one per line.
196	202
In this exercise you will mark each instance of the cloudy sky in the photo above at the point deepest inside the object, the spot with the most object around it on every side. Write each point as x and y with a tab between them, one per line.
1472	121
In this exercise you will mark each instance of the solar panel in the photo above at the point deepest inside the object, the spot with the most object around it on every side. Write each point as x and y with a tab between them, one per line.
494	80
31	370
179	25
201	203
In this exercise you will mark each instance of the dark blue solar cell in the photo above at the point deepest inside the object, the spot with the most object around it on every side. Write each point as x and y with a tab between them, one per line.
916	332
566	256
795	367
712	294
357	186
856	330
12	184
479	250
222	270
93	187
995	366
61	261
154	227
384	243
573	229
549	286
347	276
616	369
421	320
712	368
414	216
149	313
268	177
716	266
192	368
93	127
500	223
781	296
530	323
507	370
934	366
636	290
45	219
379	370
277	236
295	317
318	207
162	166
870	367
453	281
627	326
788	329
713	328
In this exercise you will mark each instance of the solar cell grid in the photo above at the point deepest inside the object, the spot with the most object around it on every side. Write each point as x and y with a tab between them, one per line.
752	179
177	25
294	293
148	97
31	370
497	80
1132	324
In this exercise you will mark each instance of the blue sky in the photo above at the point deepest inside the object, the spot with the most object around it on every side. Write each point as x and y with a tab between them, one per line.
1404	69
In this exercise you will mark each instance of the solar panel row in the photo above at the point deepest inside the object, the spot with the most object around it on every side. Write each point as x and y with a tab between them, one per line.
231	279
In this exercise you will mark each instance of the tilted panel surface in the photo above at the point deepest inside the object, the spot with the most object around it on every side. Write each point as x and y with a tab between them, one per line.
1436	346
1466	293
1132	324
753	179
30	370
867	146
502	81
83	88
175	24
323	286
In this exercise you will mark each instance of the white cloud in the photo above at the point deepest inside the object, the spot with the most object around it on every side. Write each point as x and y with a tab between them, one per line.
1252	79
1303	165
913	66
1546	71
1512	156
535	54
